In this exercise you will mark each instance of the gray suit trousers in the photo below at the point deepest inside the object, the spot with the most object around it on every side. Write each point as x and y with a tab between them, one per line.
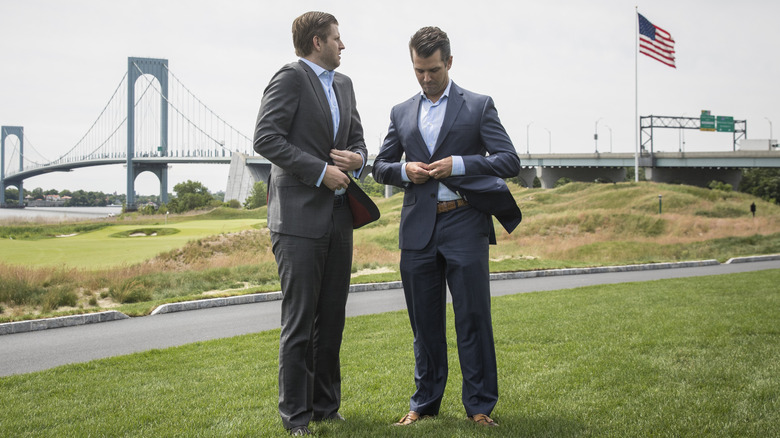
315	275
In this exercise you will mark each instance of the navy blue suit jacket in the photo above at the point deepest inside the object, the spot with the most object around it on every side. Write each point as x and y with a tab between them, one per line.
471	129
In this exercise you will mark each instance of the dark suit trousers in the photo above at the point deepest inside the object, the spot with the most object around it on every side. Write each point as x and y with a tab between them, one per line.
456	255
315	275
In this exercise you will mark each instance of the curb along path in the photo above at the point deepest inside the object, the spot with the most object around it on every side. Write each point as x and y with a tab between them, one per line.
91	318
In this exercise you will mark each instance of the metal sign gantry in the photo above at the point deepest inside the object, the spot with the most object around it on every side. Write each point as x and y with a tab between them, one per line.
648	123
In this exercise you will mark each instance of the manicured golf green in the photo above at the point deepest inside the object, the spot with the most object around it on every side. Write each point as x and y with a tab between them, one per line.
97	249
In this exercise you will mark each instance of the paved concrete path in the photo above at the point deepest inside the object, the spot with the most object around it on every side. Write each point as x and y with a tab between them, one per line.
43	349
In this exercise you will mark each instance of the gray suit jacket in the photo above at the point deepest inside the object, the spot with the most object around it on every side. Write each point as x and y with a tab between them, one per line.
294	131
471	129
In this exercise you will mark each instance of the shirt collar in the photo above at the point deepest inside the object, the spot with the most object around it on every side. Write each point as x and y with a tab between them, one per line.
318	70
446	94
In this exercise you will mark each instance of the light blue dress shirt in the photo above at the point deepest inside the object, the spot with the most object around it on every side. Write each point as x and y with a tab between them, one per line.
326	79
431	117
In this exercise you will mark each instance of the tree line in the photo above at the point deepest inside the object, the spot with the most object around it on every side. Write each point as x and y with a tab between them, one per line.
77	198
193	195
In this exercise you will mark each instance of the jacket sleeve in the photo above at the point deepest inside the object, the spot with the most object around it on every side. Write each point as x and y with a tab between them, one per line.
502	160
387	165
355	141
275	120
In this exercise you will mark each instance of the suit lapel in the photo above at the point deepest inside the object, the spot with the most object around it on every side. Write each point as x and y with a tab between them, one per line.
412	116
454	103
345	108
316	85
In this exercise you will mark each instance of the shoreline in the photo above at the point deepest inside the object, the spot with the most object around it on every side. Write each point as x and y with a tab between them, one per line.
53	214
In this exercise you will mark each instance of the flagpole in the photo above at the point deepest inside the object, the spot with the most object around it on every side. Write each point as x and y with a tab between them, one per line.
636	94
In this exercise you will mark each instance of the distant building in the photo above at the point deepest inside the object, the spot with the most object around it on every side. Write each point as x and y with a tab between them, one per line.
48	201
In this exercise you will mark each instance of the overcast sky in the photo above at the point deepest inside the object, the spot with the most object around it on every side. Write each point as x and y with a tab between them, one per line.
557	65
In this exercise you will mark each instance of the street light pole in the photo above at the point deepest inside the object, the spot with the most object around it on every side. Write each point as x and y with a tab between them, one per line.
549	139
596	134
770	127
610	138
681	146
527	137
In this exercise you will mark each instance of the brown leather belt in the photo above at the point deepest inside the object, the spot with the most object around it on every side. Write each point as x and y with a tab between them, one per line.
445	206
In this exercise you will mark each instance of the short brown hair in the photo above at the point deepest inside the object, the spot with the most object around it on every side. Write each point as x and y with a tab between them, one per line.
426	41
309	25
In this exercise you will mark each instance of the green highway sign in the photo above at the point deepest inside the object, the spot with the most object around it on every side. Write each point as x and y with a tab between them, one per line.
707	122
725	124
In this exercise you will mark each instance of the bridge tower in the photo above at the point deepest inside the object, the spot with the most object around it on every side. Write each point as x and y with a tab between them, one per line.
136	67
18	131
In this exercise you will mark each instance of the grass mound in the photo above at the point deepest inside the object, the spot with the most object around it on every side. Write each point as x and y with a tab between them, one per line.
43	231
575	225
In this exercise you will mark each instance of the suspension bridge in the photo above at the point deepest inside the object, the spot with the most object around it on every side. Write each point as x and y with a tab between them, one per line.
151	120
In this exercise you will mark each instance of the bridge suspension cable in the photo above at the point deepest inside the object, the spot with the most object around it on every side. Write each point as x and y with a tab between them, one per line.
239	133
12	155
194	130
108	110
28	147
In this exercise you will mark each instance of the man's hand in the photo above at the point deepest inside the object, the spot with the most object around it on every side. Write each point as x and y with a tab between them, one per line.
440	169
335	179
417	172
346	160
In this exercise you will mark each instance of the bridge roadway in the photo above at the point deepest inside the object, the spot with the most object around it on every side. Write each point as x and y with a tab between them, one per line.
711	160
694	168
70	165
41	350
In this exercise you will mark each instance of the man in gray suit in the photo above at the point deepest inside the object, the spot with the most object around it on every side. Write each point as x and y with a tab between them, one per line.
309	128
457	153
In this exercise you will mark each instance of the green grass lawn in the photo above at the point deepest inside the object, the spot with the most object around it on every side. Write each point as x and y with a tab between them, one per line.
96	249
685	357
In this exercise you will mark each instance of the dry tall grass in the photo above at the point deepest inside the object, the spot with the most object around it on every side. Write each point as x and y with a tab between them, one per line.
559	222
577	224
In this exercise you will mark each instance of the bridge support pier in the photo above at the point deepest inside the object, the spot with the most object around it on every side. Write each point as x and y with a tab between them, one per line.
550	175
160	170
527	175
18	131
136	67
243	176
694	176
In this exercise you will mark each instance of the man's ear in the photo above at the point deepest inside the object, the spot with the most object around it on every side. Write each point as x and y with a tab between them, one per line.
316	43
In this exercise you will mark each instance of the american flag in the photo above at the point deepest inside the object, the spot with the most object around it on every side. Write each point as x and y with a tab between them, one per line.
655	42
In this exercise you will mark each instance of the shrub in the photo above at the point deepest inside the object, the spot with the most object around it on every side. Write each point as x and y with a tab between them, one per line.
57	298
130	291
719	185
257	197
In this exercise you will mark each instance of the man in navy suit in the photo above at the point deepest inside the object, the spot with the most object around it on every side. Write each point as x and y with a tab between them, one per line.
456	156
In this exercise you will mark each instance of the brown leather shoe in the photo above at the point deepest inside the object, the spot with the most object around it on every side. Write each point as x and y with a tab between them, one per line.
410	418
483	420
